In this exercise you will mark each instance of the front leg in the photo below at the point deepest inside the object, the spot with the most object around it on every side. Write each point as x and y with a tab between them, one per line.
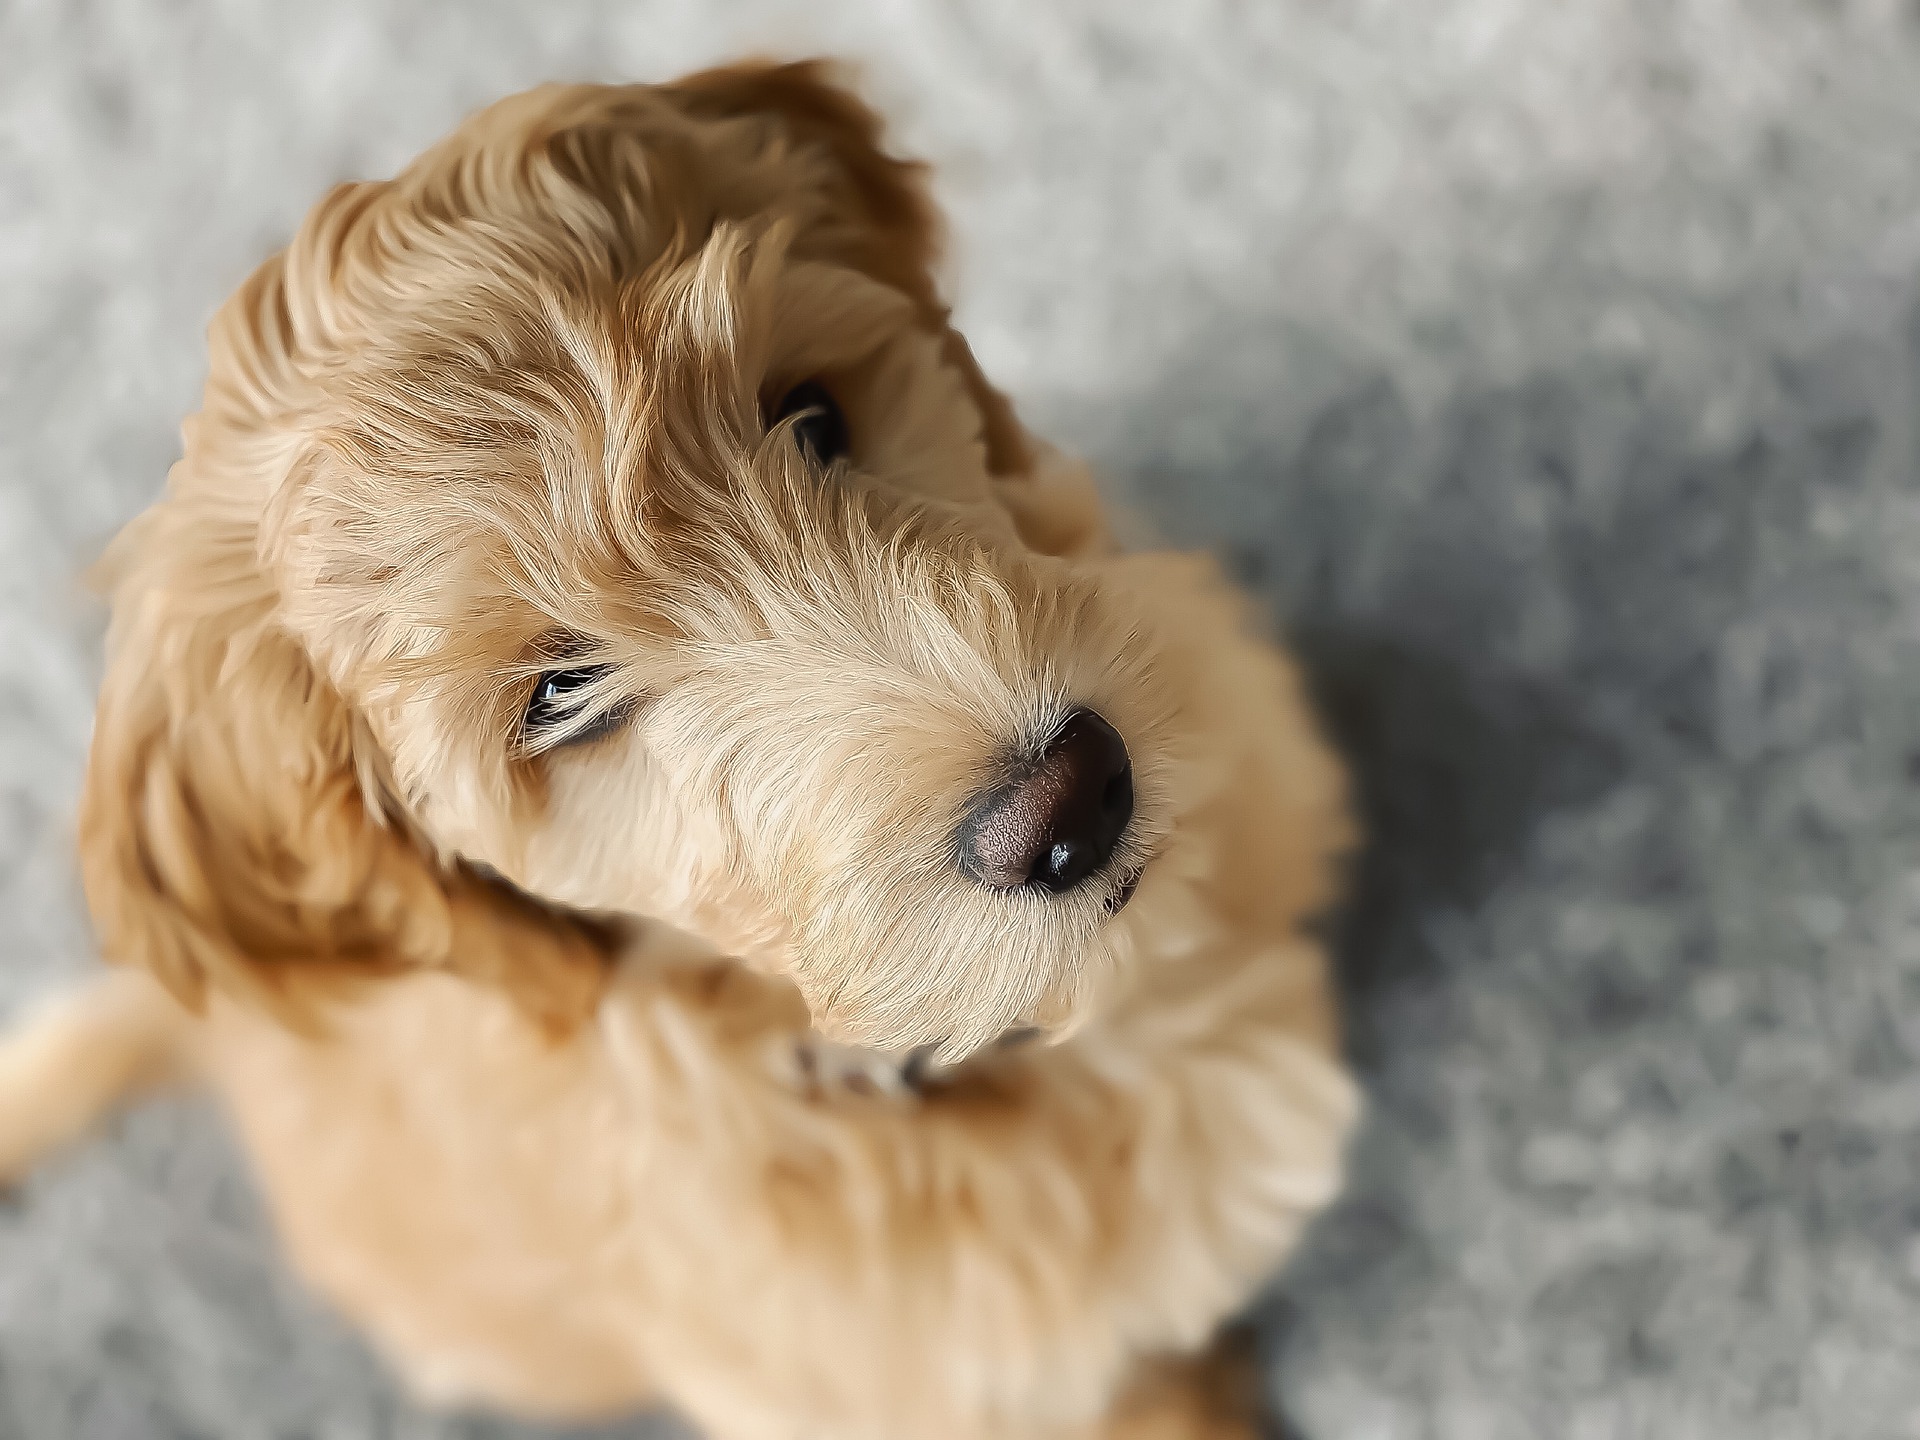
987	1256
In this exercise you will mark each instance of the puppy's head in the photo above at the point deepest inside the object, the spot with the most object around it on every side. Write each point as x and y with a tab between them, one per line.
603	516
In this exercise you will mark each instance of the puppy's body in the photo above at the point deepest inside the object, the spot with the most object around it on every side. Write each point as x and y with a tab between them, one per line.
526	1041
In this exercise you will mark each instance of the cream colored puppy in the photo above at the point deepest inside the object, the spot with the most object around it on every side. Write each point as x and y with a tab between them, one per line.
698	874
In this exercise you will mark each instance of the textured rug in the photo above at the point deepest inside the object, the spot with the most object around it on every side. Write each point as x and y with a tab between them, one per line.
1553	371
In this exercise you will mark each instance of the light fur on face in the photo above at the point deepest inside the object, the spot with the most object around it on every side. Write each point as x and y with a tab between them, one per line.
509	413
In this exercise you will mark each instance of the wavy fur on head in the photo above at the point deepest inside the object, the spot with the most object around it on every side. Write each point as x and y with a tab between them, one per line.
509	413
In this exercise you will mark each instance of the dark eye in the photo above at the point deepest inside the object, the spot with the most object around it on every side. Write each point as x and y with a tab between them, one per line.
821	428
550	706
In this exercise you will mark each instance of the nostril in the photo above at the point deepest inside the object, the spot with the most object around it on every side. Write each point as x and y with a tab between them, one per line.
1059	821
1062	866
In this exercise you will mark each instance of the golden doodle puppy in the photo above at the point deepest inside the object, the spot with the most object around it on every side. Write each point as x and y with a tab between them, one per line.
699	873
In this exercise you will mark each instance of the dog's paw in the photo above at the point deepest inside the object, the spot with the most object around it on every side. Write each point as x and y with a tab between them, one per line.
825	1068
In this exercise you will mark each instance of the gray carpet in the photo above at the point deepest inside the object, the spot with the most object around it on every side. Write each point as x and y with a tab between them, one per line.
1552	368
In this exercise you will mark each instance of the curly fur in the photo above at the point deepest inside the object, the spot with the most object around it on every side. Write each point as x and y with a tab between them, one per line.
571	1073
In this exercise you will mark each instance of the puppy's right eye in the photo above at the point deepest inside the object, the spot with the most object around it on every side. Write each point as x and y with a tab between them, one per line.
822	427
549	708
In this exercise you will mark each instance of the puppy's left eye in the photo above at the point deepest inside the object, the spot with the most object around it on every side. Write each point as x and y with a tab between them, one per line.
821	428
549	709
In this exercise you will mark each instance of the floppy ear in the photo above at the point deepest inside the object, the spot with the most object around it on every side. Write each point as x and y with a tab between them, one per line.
886	222
236	830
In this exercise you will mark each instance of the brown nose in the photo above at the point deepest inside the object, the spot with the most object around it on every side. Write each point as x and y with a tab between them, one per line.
1057	822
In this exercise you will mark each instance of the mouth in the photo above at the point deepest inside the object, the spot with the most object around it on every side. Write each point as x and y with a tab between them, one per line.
1123	891
922	1070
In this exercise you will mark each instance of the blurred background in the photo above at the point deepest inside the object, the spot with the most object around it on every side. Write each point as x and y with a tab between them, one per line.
1553	372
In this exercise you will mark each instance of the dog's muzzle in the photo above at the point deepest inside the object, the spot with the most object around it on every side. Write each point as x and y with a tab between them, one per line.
1057	821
